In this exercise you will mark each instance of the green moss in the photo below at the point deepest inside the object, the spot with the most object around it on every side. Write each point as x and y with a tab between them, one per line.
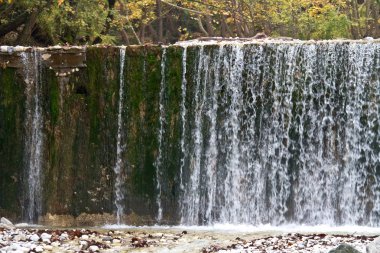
81	131
11	141
53	87
142	94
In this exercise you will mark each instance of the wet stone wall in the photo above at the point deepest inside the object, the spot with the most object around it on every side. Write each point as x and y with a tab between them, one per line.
199	133
75	130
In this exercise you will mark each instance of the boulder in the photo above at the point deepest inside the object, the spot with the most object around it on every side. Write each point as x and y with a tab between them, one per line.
5	223
374	246
344	248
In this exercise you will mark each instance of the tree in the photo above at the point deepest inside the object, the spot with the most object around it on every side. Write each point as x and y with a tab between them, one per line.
46	22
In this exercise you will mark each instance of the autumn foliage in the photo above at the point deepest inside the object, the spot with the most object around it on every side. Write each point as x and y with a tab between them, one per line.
46	22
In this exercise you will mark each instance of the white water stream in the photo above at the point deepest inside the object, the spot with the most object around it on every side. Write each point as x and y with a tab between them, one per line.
34	135
118	169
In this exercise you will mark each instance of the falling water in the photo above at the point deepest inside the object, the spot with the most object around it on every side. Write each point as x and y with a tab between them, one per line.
183	115
281	133
34	135
118	169
161	132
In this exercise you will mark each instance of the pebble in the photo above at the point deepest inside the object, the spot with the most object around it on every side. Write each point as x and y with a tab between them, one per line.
39	249
34	238
45	236
64	236
93	248
20	237
106	238
56	244
84	237
49	247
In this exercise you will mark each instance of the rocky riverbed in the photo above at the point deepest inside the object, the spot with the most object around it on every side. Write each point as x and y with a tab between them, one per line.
22	238
136	240
295	242
84	240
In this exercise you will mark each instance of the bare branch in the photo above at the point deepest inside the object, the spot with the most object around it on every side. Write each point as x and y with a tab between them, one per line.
185	9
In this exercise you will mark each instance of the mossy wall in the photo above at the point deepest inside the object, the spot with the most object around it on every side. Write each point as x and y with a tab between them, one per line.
80	131
11	142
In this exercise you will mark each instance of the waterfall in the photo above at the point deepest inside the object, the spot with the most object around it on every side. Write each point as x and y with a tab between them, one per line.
183	112
118	169
161	132
34	135
183	116
280	133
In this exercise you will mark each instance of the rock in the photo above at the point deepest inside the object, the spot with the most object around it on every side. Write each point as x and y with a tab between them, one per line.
6	221
55	244
45	236
116	241
49	248
107	238
46	241
34	238
45	56
374	246
6	226
259	242
84	245
344	248
63	236
335	240
301	245
39	249
23	249
93	248
274	240
158	235
84	237
20	237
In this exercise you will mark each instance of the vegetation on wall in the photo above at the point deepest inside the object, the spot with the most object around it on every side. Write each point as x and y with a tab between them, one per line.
48	22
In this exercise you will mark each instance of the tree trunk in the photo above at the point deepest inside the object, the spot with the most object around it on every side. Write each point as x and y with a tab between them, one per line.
376	18
27	32
355	16
200	25
369	21
153	34
129	23
160	21
227	29
125	37
209	27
